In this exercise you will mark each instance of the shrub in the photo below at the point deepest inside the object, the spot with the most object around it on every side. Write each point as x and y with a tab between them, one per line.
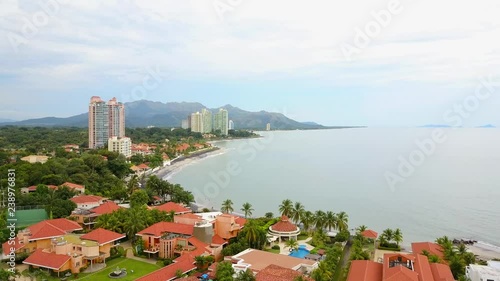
276	247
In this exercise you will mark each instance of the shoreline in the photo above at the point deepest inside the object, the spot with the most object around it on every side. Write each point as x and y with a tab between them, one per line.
185	160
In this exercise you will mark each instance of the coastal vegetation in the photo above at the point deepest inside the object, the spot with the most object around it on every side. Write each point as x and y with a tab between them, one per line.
456	256
391	239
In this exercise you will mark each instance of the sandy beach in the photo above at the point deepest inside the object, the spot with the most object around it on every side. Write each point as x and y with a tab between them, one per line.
484	253
185	161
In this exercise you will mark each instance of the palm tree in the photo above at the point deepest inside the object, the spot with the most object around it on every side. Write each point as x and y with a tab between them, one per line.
292	244
134	222
342	221
297	212
133	184
319	219
330	220
362	228
227	206
286	207
398	236
254	235
247	209
307	220
388	235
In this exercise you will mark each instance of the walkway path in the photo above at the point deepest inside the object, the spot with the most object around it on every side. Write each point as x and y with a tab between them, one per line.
130	253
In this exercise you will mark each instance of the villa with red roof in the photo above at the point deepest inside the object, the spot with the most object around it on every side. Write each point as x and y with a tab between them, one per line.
71	252
401	267
178	209
88	217
39	236
75	187
88	201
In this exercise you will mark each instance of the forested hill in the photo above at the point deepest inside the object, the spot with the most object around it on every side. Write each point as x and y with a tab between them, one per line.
147	113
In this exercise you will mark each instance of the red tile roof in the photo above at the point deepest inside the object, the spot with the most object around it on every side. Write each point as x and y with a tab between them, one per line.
399	273
217	240
86	199
171	206
160	228
278	273
441	272
370	234
71	185
106	208
423	268
14	244
241	221
33	187
52	228
143	166
284	225
103	236
169	272
47	260
432	248
365	271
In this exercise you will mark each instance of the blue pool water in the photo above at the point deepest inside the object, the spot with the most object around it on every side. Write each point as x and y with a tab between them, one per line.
301	253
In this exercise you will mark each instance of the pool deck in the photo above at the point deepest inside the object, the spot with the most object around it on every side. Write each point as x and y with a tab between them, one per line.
286	251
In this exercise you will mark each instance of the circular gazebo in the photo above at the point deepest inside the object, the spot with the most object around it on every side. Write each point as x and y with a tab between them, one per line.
284	229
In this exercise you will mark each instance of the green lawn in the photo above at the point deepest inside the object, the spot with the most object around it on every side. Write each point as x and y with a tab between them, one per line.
140	269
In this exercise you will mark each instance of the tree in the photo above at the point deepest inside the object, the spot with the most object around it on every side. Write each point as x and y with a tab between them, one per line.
224	272
398	236
254	235
342	221
139	198
307	220
269	215
388	235
330	220
297	212
246	275
292	244
286	207
227	206
247	209
62	208
319	219
135	221
362	228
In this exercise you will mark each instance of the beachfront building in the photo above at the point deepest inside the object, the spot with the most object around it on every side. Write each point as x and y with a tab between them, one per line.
258	261
196	122
228	226
399	266
207	121
71	252
284	229
231	125
176	208
490	272
221	121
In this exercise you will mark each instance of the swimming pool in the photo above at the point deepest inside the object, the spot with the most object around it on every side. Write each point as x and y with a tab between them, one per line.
301	253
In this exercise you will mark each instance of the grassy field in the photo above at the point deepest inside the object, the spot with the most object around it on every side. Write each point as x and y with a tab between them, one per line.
140	269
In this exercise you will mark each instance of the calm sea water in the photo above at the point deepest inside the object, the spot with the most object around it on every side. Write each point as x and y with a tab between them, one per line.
454	192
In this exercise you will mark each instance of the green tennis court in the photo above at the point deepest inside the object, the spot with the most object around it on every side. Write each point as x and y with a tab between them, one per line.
30	217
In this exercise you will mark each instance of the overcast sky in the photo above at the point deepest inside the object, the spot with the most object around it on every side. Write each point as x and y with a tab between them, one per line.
278	55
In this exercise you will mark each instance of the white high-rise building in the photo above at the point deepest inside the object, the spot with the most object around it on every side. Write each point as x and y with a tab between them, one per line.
231	125
221	121
106	120
196	122
268	127
206	116
120	145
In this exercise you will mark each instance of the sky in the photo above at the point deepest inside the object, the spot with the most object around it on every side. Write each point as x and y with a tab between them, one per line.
359	62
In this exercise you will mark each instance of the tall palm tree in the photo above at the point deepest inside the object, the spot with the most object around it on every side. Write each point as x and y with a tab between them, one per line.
330	220
398	236
227	206
133	184
286	207
307	220
342	221
247	209
254	235
134	222
297	212
319	219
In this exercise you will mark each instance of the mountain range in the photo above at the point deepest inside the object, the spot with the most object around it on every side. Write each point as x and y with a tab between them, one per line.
145	113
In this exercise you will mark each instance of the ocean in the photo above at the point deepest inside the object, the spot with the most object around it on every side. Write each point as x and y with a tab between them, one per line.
427	182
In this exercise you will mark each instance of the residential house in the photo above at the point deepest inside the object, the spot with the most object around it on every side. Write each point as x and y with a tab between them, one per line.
88	217
228	226
88	201
178	209
35	159
71	252
489	272
40	235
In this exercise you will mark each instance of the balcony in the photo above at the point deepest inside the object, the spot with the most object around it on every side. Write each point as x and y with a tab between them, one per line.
152	250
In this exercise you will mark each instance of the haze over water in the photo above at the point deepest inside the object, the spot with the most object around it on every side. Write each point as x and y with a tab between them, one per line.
455	192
